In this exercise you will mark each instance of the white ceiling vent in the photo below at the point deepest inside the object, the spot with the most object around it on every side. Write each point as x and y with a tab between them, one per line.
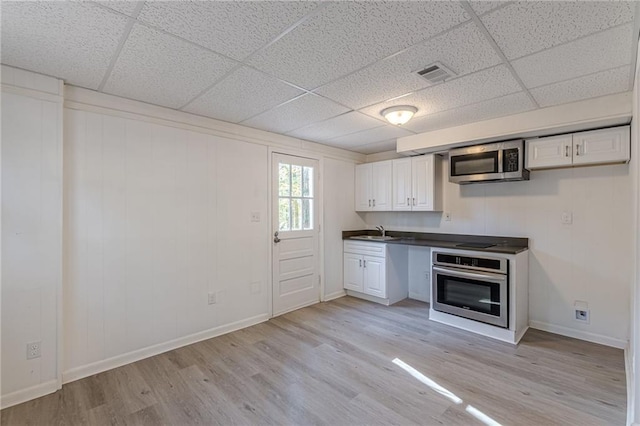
435	73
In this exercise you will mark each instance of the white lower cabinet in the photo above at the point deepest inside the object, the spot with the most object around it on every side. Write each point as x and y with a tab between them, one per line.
376	271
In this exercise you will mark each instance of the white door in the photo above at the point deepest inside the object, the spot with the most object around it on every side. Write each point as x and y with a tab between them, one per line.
554	151
423	173
295	233
401	184
374	276
381	185
353	272
363	187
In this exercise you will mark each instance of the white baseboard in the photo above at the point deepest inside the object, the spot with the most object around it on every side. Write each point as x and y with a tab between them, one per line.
578	334
24	395
120	360
418	296
334	295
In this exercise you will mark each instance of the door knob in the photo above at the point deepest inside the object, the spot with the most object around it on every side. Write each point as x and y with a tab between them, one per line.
275	238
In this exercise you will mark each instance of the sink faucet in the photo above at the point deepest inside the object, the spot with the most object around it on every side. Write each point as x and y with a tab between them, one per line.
382	230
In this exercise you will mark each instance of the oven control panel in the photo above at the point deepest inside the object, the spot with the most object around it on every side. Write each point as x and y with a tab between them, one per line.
498	265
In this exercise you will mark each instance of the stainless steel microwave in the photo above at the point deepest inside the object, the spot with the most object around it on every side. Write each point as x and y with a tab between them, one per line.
495	162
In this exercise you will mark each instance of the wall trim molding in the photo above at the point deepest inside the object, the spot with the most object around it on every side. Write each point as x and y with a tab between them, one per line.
78	373
33	392
578	334
335	295
31	93
91	101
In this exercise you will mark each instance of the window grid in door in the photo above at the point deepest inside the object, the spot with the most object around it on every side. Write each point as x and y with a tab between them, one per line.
295	197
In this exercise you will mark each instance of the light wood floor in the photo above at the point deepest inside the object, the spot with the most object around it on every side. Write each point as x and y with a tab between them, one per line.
332	363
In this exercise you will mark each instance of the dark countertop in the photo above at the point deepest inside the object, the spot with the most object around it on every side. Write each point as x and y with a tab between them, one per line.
505	245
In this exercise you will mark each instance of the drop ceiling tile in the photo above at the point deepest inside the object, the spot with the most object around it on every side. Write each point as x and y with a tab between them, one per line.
243	94
344	124
481	7
597	52
378	134
69	40
163	70
530	26
463	50
300	112
126	7
480	86
374	148
589	86
493	108
346	36
235	29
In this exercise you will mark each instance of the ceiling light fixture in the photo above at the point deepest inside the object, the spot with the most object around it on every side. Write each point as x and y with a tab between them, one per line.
400	114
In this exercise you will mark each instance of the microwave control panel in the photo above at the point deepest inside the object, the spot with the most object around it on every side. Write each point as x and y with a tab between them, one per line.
510	160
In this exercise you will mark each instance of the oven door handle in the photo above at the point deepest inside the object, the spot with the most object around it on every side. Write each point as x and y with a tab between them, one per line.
459	273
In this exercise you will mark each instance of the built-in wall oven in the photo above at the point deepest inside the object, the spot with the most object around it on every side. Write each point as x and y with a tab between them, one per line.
470	286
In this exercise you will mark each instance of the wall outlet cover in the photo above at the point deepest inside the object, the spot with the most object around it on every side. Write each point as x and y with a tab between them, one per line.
34	350
211	298
255	216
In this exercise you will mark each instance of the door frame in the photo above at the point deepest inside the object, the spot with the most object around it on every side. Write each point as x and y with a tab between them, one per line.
320	197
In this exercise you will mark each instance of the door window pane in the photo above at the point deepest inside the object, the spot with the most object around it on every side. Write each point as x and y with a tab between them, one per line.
296	180
296	214
284	180
284	214
307	182
307	214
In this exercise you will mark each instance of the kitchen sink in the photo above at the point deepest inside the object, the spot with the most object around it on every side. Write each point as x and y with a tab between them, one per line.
374	238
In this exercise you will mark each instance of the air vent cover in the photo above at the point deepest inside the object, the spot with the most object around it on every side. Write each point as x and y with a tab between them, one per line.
435	73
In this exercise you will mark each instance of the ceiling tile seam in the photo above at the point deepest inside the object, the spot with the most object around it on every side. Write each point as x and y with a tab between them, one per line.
497	49
502	6
287	30
243	61
368	130
389	57
331	118
131	20
570	41
276	106
211	86
580	76
457	77
634	44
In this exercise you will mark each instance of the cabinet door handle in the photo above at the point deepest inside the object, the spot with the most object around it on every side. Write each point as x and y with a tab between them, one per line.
365	263
577	149
566	150
369	203
360	260
374	202
414	201
408	202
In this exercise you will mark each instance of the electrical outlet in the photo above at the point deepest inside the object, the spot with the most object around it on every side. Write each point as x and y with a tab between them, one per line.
567	218
212	298
255	216
447	216
33	350
582	315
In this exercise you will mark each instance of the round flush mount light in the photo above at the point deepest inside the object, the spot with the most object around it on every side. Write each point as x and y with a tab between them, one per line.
400	114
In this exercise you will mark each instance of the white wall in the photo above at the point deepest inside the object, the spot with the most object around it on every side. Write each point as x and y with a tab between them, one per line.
586	261
339	215
156	218
32	232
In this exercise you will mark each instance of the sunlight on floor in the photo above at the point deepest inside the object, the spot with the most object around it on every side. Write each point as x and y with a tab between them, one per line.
446	393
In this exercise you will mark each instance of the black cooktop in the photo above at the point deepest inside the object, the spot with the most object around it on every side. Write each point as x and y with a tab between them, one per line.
475	245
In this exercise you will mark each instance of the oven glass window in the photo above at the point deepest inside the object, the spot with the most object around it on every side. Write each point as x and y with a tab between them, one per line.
478	296
472	164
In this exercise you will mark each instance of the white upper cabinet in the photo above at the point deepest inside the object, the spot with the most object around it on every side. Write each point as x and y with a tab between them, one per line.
603	146
373	186
415	184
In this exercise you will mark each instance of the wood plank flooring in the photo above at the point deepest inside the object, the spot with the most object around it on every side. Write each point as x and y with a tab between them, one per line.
332	363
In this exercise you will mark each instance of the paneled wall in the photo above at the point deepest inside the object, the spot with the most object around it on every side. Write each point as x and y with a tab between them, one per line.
31	232
339	179
155	219
588	260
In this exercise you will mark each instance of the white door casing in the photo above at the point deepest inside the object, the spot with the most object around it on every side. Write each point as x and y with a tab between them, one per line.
295	232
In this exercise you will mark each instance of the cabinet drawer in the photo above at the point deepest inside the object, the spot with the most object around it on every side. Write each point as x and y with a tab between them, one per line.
365	248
